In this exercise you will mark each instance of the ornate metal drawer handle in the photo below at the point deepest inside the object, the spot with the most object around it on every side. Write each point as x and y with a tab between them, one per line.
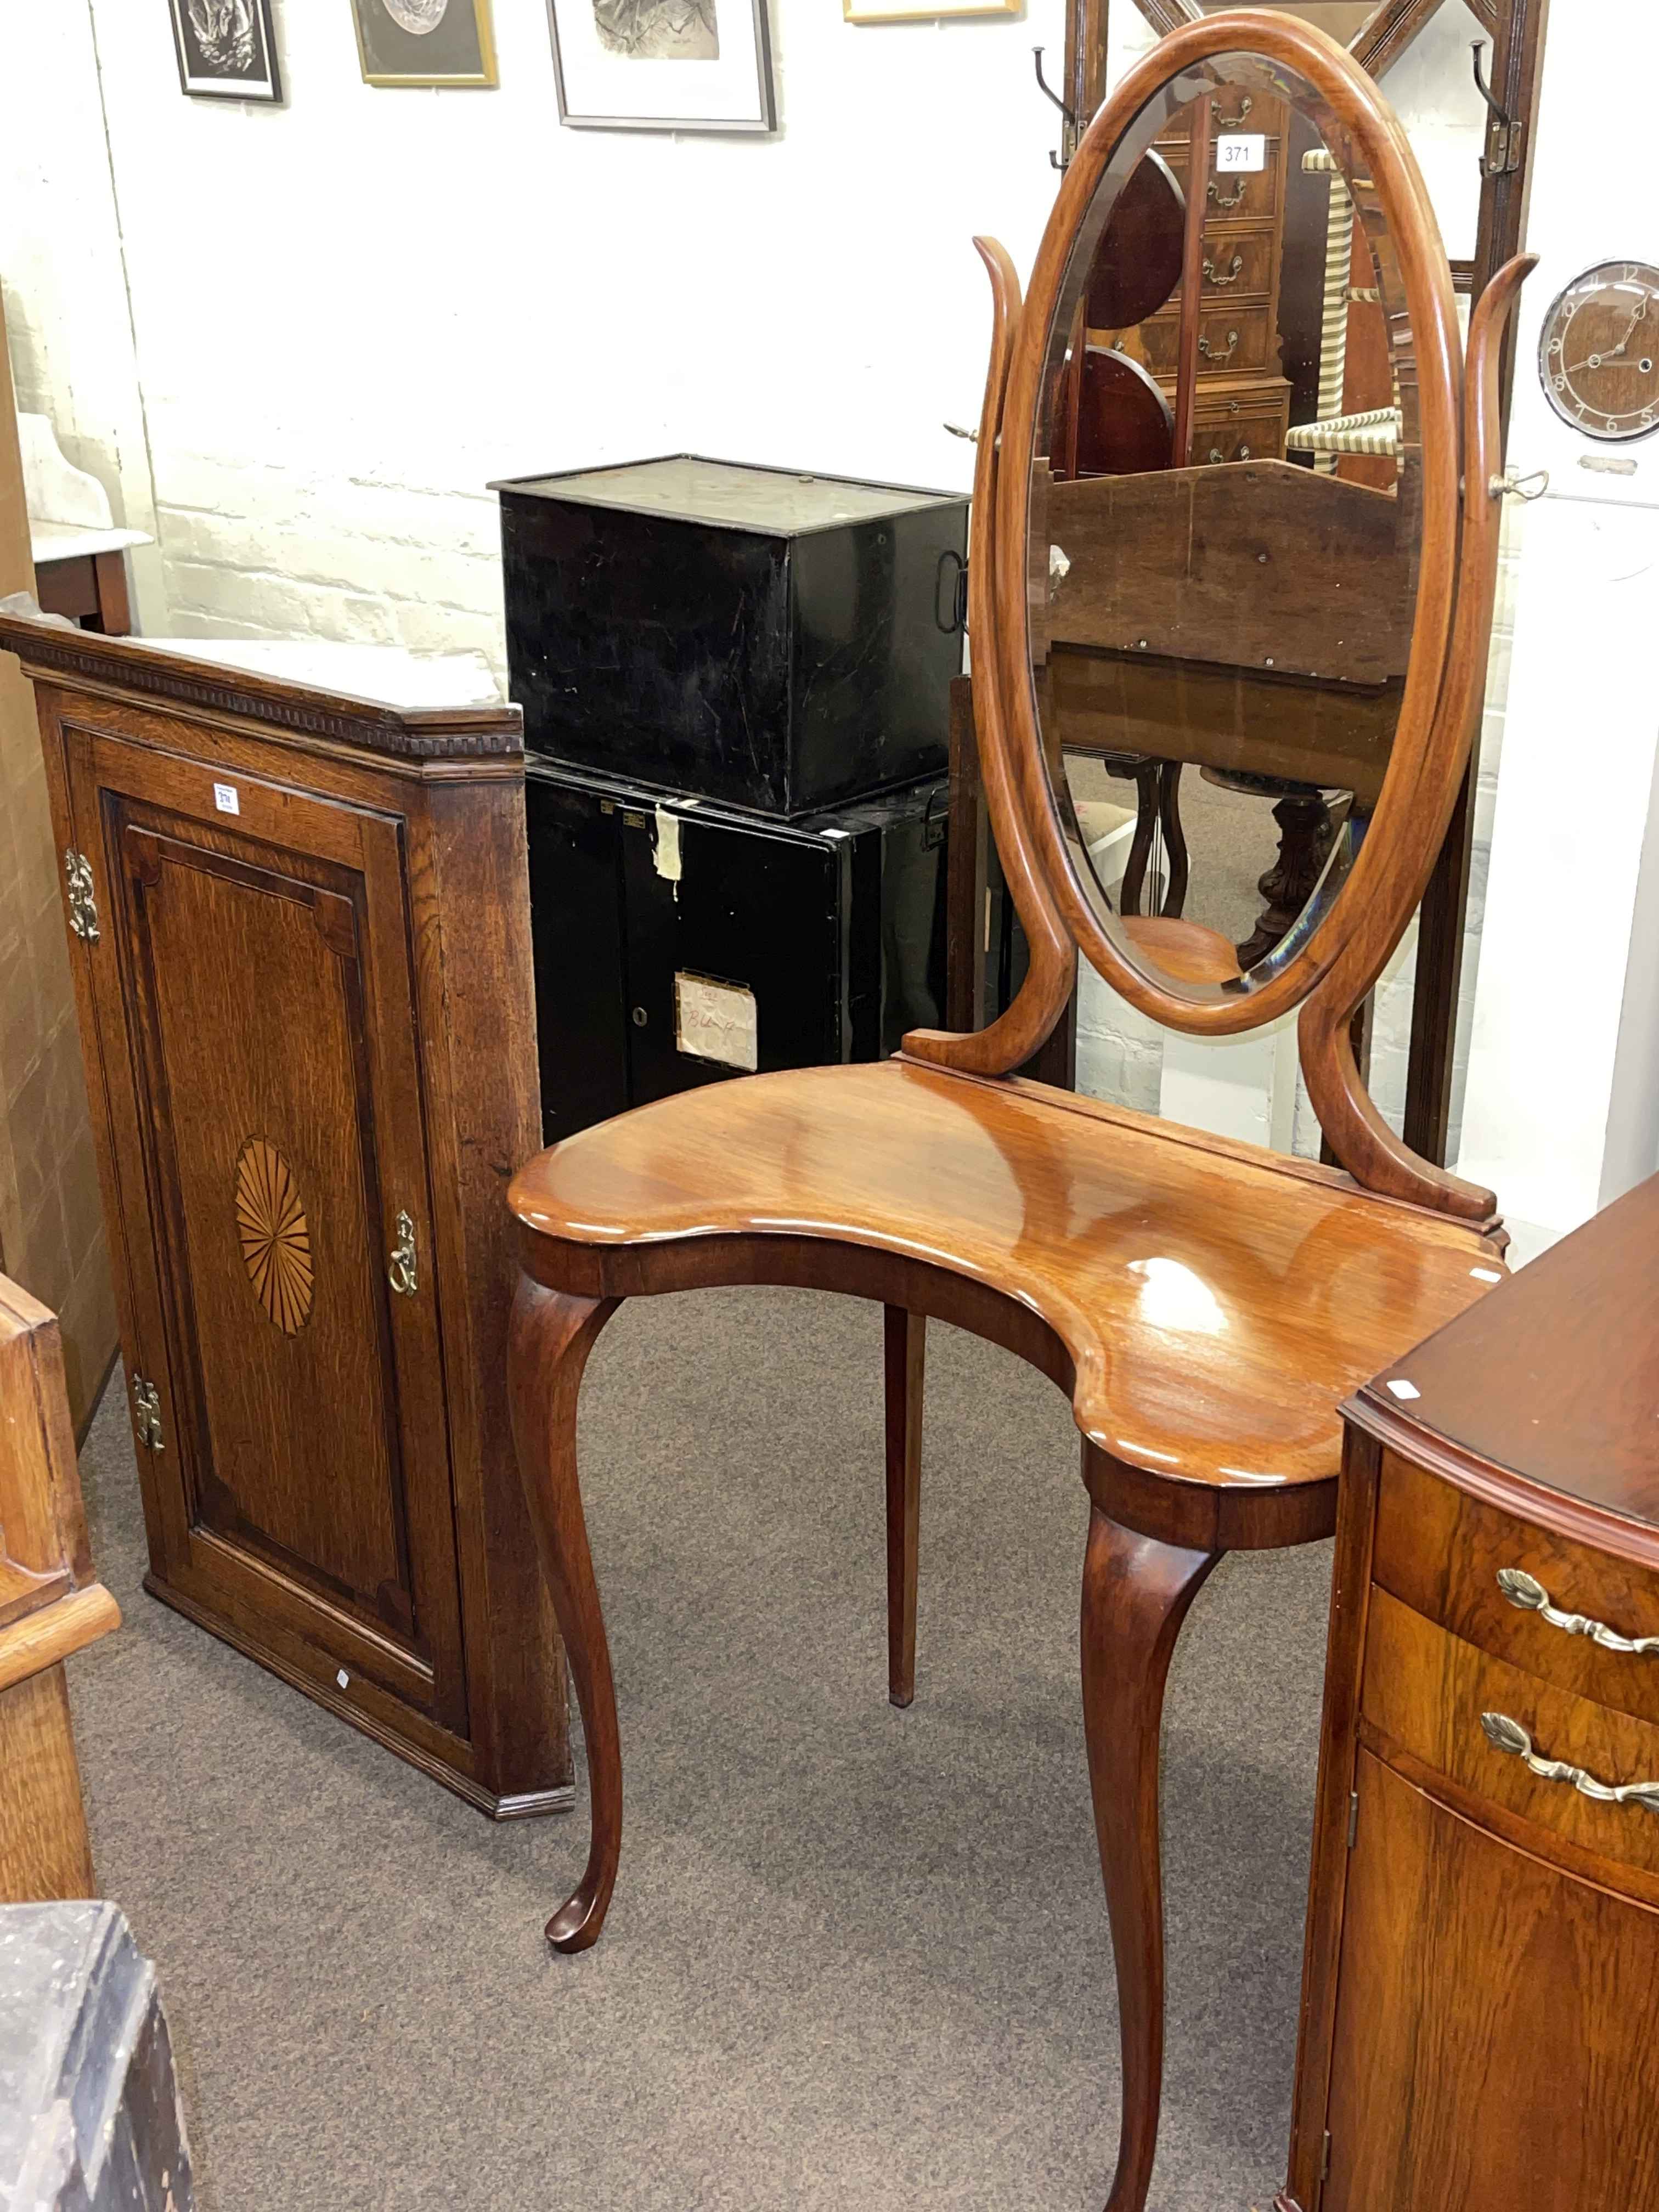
1220	459
1229	199
1505	1735
1232	276
1209	351
401	1271
1232	121
1522	1589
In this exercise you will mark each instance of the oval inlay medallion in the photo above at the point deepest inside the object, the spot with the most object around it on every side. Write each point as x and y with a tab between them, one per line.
276	1240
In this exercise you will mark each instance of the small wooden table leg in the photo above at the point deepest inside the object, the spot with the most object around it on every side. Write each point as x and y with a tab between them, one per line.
548	1344
906	1359
114	617
1135	1595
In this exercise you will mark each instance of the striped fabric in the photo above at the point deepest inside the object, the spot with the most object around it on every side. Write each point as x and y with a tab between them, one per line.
1376	432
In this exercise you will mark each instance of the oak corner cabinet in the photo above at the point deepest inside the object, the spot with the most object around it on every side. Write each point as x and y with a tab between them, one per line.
1483	1929
299	928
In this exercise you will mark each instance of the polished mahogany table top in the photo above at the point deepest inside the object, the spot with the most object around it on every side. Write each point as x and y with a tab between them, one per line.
1218	1301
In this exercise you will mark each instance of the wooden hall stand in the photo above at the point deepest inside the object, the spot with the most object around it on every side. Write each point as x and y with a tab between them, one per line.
1204	1303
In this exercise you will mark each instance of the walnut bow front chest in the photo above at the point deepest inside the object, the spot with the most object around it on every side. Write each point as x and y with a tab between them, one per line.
1483	1934
299	931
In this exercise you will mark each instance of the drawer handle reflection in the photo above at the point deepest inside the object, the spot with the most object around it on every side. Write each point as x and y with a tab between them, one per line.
1505	1735
1525	1590
1212	275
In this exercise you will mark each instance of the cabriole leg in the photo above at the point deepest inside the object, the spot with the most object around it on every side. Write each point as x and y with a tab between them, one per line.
905	1346
1135	1595
548	1345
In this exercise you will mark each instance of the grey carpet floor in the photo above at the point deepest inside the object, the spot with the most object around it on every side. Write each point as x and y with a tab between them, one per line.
857	1958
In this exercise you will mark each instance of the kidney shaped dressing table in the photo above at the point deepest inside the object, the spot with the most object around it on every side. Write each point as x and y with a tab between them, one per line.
1204	1304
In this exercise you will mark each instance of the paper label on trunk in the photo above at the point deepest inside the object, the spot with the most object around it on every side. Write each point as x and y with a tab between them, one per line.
716	1021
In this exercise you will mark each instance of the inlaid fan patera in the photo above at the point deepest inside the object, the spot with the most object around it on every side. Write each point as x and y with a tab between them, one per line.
276	1240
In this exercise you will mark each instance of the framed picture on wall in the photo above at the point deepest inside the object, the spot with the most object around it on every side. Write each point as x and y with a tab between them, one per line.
226	49
663	64
425	42
917	11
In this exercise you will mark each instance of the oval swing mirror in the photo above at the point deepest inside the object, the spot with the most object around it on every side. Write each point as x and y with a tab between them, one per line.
1239	519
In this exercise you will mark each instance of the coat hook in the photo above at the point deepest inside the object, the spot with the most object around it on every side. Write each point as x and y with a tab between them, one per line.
1529	486
1503	132
1069	135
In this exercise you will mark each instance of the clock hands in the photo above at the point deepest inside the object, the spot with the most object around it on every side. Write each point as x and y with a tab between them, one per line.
1612	352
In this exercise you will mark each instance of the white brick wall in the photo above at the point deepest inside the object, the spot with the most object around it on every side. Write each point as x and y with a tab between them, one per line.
348	314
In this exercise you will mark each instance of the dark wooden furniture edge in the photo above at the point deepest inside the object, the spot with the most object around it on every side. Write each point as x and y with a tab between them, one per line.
1517	28
1483	1479
49	648
1351	1583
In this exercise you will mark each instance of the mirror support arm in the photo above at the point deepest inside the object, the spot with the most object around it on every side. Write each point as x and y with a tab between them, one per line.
1357	1132
1035	1013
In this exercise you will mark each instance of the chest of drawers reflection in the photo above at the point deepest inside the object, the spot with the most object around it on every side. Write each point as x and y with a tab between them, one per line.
1484	1926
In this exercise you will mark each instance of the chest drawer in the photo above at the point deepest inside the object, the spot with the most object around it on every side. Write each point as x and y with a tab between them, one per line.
1231	341
1248	427
1429	1694
1241	195
1239	263
1442	1553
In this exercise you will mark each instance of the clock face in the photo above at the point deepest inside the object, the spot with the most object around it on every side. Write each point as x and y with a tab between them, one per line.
1599	353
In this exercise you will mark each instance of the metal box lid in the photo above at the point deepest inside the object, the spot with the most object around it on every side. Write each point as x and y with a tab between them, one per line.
730	495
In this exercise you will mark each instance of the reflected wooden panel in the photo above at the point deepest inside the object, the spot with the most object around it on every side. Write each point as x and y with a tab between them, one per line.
1158	561
1216	1304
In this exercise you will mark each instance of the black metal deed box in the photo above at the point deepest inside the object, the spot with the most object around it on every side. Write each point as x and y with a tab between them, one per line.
773	640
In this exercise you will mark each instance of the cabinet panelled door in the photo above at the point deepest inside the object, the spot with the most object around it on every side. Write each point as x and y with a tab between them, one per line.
268	1122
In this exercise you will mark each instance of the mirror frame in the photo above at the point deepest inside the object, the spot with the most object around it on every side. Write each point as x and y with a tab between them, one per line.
1414	774
1515	71
1352	960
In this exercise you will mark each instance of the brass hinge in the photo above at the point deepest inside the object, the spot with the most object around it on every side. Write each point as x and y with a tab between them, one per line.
402	1270
147	1414
84	909
1353	1817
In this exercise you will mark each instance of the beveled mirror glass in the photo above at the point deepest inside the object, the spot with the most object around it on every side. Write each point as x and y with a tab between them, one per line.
1225	527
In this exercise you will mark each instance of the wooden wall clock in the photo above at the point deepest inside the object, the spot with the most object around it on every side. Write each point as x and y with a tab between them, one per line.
1598	352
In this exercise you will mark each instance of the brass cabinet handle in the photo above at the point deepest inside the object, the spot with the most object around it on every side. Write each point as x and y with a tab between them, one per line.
1525	1590
83	906
1232	121
1228	199
1505	1735
1232	276
1210	353
401	1270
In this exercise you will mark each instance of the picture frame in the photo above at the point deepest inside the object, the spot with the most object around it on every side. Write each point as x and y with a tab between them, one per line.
916	11
226	50
447	44
663	65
